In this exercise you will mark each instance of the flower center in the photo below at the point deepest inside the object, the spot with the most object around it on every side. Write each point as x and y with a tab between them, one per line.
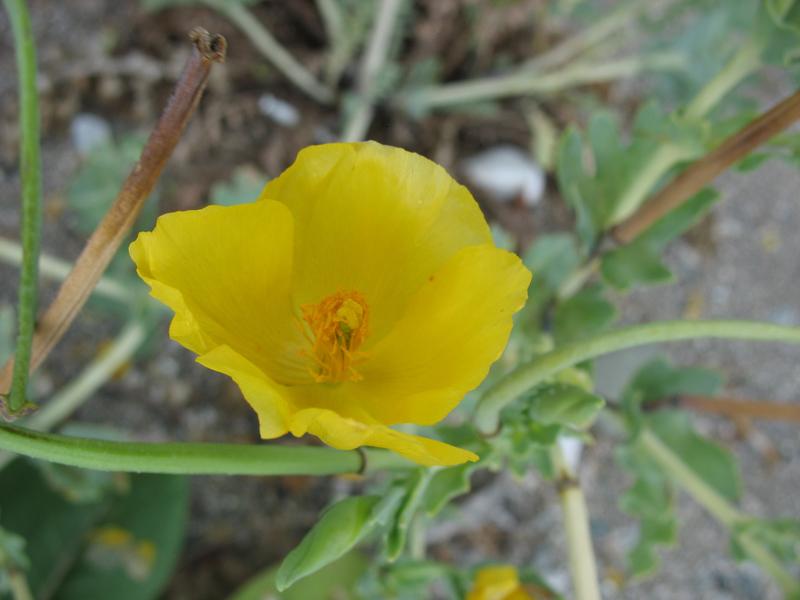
338	326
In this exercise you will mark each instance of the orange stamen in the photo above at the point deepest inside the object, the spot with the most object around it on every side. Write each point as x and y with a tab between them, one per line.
338	326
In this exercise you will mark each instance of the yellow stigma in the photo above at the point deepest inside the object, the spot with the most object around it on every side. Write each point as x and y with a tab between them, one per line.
338	326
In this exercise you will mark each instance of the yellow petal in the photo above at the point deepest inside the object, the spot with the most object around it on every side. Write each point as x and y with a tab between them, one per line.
269	400
373	219
347	434
498	583
453	329
226	272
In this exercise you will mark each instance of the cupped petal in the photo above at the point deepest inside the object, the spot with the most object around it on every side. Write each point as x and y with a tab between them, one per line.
373	219
453	329
347	434
226	272
270	401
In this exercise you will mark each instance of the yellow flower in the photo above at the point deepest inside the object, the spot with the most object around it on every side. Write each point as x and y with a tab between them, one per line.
361	290
498	583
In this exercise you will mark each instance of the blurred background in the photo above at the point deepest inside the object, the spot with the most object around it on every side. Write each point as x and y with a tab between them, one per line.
484	87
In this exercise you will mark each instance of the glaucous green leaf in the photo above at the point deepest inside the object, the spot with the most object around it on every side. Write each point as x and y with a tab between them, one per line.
658	380
94	187
651	500
244	186
564	404
611	189
714	464
634	264
680	220
779	24
583	315
781	536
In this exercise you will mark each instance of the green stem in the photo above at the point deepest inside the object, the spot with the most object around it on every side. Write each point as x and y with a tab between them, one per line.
71	397
18	584
266	43
522	82
662	159
377	52
31	176
582	563
89	381
56	268
586	39
527	376
743	63
719	507
746	60
192	458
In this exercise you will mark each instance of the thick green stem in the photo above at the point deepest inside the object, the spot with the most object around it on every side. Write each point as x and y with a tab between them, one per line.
31	176
192	458
71	397
266	43
719	507
527	376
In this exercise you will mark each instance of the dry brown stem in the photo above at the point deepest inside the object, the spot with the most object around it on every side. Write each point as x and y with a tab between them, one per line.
106	239
701	172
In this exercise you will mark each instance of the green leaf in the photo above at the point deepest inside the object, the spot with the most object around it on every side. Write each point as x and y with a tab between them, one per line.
780	536
613	188
634	264
82	485
680	220
12	551
135	547
93	189
651	499
564	404
417	486
552	258
336	580
714	464
123	546
658	380
583	315
340	528
244	186
445	485
781	27
570	175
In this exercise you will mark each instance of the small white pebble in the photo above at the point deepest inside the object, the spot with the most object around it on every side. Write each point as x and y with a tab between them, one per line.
506	172
88	132
279	110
